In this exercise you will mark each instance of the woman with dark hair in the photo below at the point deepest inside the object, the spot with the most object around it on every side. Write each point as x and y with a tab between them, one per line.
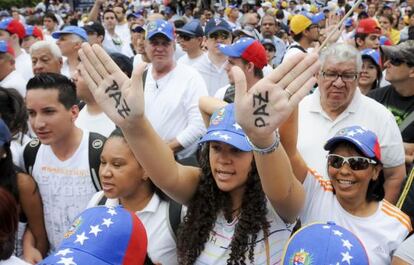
8	229
26	194
371	73
244	200
386	22
124	182
353	194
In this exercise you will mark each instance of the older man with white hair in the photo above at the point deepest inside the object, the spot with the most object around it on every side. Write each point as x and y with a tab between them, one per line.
46	57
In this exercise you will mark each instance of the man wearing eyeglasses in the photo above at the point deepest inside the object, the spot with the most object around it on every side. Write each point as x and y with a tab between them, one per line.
398	97
190	38
212	66
336	104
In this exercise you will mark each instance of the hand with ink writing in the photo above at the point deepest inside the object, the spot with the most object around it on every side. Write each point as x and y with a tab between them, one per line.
121	98
264	107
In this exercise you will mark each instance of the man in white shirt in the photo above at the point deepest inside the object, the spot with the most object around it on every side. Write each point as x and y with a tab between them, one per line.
212	66
46	57
9	77
69	40
190	37
113	42
172	92
13	31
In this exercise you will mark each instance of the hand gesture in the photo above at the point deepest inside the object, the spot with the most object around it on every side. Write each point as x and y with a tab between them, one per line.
264	107
121	98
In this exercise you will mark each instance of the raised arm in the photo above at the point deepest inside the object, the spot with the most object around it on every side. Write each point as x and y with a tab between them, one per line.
122	99
261	110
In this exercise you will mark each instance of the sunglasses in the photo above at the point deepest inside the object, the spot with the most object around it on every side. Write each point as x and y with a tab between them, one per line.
184	37
354	162
219	35
398	62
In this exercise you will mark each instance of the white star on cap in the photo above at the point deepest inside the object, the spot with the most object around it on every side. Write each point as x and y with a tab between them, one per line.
347	244
81	238
225	137
111	211
351	133
95	230
326	227
222	45
237	126
337	233
360	131
63	252
346	257
66	261
107	222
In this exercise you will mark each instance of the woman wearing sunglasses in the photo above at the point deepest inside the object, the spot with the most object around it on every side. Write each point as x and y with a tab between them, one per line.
353	195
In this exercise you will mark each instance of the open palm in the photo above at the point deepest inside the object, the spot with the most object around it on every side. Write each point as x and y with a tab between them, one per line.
121	98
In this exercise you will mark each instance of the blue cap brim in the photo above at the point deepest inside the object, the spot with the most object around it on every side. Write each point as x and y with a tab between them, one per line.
57	34
363	148
228	50
236	140
80	258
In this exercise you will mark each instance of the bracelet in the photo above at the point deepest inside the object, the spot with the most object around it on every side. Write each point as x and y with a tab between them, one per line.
267	150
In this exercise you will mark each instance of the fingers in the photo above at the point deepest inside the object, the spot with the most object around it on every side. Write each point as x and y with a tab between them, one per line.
89	81
283	69
300	94
240	83
106	65
136	78
85	54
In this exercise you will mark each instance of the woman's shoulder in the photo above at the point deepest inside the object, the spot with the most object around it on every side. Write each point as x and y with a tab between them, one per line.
394	215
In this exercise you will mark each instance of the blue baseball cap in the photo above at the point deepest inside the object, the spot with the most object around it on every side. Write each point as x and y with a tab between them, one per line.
324	243
365	140
102	236
371	54
224	128
5	47
5	135
162	27
71	30
217	24
192	28
315	18
349	22
247	48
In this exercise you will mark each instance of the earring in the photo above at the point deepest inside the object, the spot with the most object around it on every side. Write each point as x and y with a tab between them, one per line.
4	156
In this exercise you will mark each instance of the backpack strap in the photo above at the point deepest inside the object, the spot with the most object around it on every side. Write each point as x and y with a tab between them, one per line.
229	95
298	47
96	142
174	217
407	121
144	78
29	155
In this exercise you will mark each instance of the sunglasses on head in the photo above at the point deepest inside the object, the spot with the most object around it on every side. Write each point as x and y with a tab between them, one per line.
398	62
219	34
354	162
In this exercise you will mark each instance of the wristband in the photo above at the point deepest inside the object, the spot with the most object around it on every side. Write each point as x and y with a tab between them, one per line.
267	150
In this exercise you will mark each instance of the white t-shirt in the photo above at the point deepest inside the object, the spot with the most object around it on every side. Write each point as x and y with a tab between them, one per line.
65	68
15	80
315	128
381	233
99	123
65	188
171	105
13	261
17	147
113	44
214	77
124	33
406	250
137	60
24	65
216	250
161	243
188	61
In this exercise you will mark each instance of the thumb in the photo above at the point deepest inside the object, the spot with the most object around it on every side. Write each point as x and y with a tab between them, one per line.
240	83
136	78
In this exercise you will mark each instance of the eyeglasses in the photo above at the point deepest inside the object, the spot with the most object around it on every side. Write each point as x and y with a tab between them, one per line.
398	62
219	35
346	77
354	162
184	37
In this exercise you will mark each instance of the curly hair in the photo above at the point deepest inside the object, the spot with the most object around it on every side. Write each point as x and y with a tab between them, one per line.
204	208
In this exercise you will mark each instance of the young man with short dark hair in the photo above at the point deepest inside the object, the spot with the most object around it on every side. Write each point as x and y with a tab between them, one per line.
367	34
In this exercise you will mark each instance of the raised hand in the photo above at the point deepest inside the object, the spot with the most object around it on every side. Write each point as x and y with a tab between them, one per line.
264	107
121	98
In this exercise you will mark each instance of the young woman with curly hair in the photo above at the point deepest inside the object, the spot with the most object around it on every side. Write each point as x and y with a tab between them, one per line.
244	200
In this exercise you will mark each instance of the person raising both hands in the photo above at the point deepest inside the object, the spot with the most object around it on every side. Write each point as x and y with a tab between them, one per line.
245	197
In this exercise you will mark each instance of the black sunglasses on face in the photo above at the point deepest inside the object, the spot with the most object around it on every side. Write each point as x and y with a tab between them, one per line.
354	162
184	37
398	62
221	35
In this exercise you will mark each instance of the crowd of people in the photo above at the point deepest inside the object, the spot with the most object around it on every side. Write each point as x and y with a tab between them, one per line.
207	132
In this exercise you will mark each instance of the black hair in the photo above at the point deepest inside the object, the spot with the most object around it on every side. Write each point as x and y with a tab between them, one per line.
361	36
123	61
297	37
362	15
108	11
13	110
411	32
375	191
8	224
65	87
377	82
51	16
203	209
256	71
8	178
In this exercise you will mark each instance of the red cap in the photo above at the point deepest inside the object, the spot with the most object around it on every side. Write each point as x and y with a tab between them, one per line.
13	26
34	31
368	26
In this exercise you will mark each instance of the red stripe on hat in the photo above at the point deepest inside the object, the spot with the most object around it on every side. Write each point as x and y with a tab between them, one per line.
137	246
256	54
377	150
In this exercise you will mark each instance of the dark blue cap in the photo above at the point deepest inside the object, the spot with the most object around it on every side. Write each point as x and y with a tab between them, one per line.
217	24
5	135
192	28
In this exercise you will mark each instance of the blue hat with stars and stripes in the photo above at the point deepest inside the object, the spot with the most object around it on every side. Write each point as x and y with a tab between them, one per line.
224	128
161	27
324	243
102	236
